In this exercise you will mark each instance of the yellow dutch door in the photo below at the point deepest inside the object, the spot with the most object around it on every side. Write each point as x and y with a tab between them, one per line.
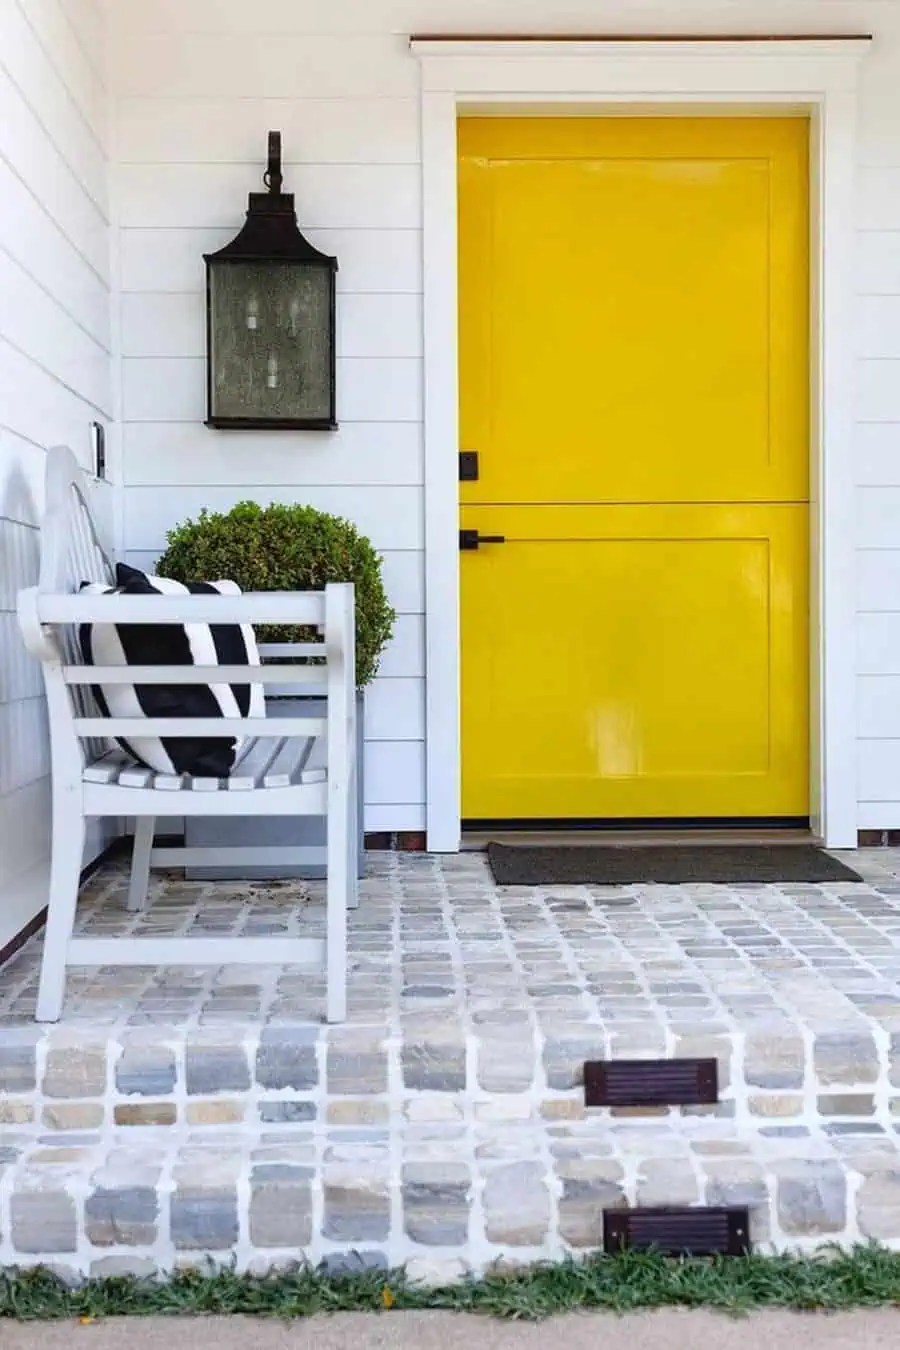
634	380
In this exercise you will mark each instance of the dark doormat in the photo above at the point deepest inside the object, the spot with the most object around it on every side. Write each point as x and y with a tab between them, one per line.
620	865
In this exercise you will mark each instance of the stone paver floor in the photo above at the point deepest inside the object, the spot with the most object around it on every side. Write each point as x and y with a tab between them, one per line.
178	1113
434	937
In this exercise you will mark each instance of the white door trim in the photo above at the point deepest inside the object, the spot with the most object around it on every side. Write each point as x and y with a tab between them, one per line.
818	76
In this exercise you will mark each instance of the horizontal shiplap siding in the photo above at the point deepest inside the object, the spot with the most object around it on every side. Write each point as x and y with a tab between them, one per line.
200	82
877	438
189	153
54	356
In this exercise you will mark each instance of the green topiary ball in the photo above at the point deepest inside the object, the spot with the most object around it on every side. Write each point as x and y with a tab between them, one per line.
286	548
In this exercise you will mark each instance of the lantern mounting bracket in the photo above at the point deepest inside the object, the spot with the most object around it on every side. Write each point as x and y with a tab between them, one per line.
273	177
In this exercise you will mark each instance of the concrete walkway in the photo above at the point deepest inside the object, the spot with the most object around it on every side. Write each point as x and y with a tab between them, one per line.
670	1330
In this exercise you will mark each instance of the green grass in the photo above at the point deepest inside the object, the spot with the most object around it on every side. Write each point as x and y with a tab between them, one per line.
866	1277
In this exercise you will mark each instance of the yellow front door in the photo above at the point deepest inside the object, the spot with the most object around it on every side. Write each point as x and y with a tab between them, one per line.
634	379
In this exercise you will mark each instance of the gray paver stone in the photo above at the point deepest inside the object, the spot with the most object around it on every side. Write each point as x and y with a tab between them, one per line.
517	1205
505	1066
564	1058
357	1208
111	1267
215	1068
146	1071
812	1197
845	1058
204	1219
353	1263
775	1061
436	1203
43	1222
121	1217
75	1072
434	1066
286	1058
17	1069
281	1206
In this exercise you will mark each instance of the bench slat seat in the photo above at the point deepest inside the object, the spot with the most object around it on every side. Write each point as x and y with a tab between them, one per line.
266	763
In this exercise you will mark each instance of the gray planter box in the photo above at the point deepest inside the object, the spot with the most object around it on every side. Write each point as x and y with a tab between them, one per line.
275	831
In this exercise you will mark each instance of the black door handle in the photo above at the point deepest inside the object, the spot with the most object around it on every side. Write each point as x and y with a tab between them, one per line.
470	539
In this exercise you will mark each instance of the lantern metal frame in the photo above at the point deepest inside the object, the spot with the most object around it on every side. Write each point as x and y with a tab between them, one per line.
271	234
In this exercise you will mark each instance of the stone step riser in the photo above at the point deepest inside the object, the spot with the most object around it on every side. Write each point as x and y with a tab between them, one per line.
509	1194
53	1080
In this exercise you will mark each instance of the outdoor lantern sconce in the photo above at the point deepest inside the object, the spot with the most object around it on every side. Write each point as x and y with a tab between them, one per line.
270	320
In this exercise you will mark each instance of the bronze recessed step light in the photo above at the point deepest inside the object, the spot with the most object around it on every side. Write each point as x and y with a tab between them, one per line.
651	1082
678	1230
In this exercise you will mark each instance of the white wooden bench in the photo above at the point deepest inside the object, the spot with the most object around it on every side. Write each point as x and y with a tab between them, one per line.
292	766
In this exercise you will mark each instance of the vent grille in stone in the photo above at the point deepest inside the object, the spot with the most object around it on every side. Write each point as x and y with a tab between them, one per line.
678	1231
651	1082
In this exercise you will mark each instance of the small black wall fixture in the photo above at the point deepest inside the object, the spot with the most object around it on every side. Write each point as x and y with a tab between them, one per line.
270	320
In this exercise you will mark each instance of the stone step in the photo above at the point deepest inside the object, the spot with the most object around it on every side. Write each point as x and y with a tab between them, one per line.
88	1079
145	1147
443	1199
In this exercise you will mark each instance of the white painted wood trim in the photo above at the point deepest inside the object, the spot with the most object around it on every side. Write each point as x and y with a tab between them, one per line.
818	76
100	728
441	415
303	799
304	608
671	52
225	951
21	899
276	675
274	856
834	567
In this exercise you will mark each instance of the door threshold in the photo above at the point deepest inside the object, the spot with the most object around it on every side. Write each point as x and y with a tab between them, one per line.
476	841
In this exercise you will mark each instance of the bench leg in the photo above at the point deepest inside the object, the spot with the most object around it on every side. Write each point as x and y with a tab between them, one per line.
140	863
337	899
65	878
353	845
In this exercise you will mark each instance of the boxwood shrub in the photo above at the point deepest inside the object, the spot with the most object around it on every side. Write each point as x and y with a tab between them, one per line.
286	548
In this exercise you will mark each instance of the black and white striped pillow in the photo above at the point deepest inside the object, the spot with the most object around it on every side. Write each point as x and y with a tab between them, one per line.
196	644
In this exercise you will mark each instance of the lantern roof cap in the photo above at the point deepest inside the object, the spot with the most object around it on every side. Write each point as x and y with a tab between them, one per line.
270	232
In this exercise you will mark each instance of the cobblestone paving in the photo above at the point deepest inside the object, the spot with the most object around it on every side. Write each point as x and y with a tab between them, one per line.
434	935
174	1113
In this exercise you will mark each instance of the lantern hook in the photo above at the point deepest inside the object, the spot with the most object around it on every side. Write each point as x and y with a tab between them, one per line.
273	178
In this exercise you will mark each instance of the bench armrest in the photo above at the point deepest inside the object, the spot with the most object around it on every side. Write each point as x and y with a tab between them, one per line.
301	608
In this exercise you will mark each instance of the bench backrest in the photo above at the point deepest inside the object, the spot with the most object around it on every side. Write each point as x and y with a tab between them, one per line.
73	552
72	549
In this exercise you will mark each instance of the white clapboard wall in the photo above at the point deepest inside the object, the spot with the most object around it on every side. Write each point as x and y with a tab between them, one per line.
55	365
190	152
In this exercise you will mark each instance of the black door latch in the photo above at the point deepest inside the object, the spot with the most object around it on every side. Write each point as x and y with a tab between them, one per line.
469	539
468	466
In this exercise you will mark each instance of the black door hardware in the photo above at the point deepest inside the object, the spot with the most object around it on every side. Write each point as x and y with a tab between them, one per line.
468	466
469	539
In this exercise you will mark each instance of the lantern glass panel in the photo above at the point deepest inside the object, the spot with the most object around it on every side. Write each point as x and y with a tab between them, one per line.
270	341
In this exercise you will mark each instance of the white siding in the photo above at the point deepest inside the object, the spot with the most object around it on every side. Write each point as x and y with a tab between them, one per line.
189	152
54	362
198	84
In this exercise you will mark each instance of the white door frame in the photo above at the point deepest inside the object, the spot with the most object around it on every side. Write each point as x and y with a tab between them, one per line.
813	75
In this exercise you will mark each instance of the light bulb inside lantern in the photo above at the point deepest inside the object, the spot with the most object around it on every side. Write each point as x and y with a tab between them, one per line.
252	313
272	377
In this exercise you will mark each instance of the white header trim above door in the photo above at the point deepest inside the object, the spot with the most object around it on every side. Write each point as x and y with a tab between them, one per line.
816	75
